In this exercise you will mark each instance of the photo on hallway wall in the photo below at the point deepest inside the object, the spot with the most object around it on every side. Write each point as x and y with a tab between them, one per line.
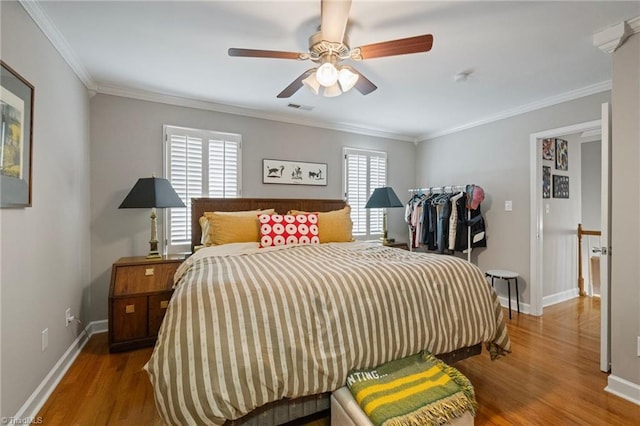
546	182
560	186
548	148
562	155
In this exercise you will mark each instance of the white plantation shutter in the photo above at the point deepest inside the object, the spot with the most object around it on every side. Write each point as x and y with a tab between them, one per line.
364	171
185	175
223	168
199	163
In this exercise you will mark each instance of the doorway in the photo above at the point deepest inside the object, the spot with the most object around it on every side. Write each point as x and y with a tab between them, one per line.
591	210
538	209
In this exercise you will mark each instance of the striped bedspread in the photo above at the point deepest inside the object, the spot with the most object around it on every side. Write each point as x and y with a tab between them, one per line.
248	326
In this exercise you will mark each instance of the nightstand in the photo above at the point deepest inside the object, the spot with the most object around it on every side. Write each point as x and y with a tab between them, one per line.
138	298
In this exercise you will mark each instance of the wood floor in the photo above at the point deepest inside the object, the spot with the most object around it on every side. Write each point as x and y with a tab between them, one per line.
551	378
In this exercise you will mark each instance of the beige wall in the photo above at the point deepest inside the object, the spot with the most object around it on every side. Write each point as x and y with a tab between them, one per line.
625	228
496	157
126	144
44	248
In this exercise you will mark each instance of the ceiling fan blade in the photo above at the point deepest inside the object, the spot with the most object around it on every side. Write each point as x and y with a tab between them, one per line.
364	85
334	16
296	84
417	44
256	53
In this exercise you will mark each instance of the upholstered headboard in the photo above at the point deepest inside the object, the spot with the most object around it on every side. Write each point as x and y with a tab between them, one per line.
281	205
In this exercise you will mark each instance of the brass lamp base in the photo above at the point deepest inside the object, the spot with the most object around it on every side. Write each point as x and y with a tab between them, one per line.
153	243
153	250
384	240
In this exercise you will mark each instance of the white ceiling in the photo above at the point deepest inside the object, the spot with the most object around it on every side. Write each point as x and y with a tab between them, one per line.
522	54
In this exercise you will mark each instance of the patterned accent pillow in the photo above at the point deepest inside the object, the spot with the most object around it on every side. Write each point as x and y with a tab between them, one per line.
279	230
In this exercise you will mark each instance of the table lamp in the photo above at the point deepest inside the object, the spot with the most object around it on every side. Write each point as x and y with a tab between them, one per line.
152	193
383	198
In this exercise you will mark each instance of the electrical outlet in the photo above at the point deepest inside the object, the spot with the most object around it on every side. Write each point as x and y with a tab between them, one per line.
508	206
68	317
45	339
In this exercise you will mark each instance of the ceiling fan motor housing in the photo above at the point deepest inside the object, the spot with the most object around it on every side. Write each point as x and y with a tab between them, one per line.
332	51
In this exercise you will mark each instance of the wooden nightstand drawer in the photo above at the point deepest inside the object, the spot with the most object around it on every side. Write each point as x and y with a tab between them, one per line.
129	318
136	279
158	304
138	299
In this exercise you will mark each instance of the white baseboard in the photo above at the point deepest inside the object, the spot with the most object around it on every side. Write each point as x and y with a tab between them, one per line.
504	302
32	406
623	388
546	301
563	296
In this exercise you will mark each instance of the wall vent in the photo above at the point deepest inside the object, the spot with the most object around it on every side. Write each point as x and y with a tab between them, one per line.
302	107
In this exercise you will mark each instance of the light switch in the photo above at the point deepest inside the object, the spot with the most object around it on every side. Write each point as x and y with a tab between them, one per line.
546	208
508	206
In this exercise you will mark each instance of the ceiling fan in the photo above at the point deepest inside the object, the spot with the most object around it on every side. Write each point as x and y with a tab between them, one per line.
330	46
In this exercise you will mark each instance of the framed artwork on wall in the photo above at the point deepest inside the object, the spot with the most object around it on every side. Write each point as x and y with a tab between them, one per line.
562	154
560	186
16	130
548	149
293	172
546	182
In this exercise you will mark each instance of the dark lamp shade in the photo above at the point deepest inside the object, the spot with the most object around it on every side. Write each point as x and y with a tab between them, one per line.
383	198
151	192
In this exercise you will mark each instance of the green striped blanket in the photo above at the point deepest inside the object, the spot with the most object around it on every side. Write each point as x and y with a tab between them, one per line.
419	389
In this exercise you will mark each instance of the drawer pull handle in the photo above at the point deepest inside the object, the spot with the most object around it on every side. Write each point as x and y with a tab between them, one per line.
129	309
164	304
148	272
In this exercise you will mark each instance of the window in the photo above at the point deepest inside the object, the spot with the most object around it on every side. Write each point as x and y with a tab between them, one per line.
199	163
364	171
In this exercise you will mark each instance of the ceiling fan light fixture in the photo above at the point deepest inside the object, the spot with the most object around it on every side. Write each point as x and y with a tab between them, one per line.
332	91
312	83
347	79
327	74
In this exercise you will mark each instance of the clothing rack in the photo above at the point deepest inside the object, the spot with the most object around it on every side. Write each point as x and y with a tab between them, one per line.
441	190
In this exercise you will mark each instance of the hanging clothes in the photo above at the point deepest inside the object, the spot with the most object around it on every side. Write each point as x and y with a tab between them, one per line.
443	206
476	225
453	219
441	222
413	217
430	223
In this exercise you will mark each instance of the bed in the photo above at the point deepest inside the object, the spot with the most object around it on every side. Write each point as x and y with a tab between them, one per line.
262	335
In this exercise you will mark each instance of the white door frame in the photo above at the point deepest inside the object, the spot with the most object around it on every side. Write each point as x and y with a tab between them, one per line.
535	191
605	242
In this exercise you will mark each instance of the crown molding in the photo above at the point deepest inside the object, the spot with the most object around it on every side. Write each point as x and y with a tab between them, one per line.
543	103
610	39
170	99
48	28
635	24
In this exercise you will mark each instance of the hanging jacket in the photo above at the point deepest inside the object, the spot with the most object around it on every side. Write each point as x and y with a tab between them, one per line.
478	232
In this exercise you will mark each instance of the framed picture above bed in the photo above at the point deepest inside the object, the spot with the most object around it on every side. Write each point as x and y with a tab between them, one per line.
16	103
294	172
